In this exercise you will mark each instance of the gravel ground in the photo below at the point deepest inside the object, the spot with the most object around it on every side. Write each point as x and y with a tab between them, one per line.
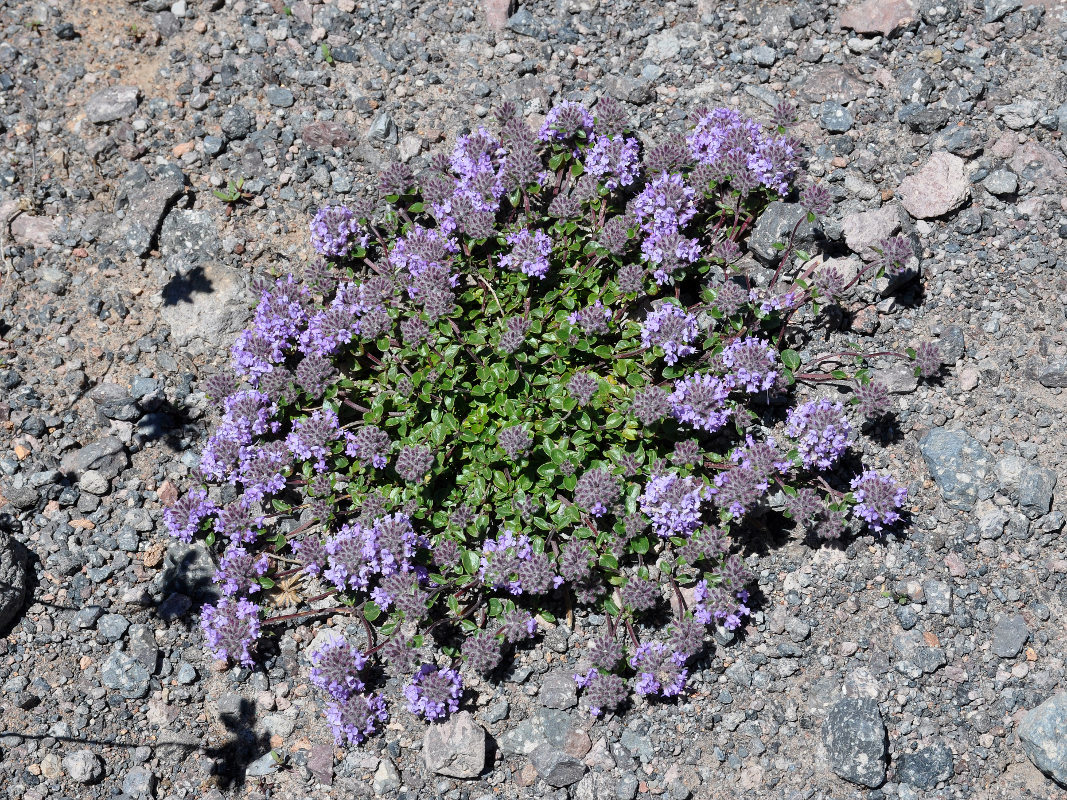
887	668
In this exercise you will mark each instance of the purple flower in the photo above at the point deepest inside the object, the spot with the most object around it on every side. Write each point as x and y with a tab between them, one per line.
231	628
336	667
877	499
529	253
670	329
184	517
717	603
613	160
737	489
821	430
352	556
873	399
650	404
501	559
370	445
722	139
604	691
333	229
434	693
482	652
700	401
565	122
313	436
356	717
239	571
660	670
519	625
596	491
673	504
591	319
582	386
237	523
751	363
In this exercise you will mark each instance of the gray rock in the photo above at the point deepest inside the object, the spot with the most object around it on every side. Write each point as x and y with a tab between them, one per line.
958	463
22	497
914	657
1036	485
662	47
898	378
835	118
186	673
1053	375
497	711
923	119
626	788
996	10
776	224
1001	182
544	726
764	56
142	646
938	597
855	739
925	768
386	778
1010	635
558	690
526	24
88	616
191	237
952	344
237	122
966	142
383	129
1043	734
279	96
555	767
147	208
455	748
94	482
112	627
266	764
140	783
107	456
915	86
12	579
1021	114
84	766
112	103
123	674
190	569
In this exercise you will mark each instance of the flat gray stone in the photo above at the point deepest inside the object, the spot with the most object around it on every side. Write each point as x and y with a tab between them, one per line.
386	778
558	690
279	96
456	747
1010	635
864	230
1043	735
140	783
147	208
926	767
856	743
112	103
123	674
555	767
1001	182
776	224
107	456
835	118
958	464
546	725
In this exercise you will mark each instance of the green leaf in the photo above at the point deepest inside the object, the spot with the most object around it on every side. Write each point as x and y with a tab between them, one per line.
640	545
839	374
610	607
608	561
791	359
265	582
280	505
471	561
548	616
371	611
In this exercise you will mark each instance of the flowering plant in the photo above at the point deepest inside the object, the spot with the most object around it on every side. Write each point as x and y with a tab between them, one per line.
538	376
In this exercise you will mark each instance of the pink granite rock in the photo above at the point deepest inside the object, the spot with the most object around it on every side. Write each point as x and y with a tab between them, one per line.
498	11
938	188
887	17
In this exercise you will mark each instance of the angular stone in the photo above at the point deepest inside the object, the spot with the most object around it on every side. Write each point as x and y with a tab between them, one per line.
915	86
1021	114
662	47
775	226
927	767
835	118
279	96
549	726
190	569
204	305
1001	182
898	378
866	229
830	83
1036	485
1010	635
856	743
123	674
140	783
112	103
383	129
555	767
12	579
1033	163
938	188
237	122
887	17
455	748
107	456
498	11
958	464
558	690
320	763
386	778
996	10
319	135
147	208
1043	735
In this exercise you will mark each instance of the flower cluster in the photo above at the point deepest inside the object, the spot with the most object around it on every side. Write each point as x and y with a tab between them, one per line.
532	377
